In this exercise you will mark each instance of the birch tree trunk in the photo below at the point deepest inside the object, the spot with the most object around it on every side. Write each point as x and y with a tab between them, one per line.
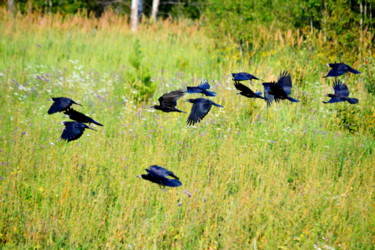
155	7
134	16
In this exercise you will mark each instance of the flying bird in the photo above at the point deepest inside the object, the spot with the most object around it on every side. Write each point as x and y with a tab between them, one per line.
79	117
199	110
61	104
339	69
246	91
168	101
159	175
341	94
201	88
73	130
279	90
243	76
268	97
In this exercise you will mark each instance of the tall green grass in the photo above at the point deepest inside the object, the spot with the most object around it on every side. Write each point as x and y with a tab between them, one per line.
295	175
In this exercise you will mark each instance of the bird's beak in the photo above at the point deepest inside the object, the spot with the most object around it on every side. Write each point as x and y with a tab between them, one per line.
327	65
92	128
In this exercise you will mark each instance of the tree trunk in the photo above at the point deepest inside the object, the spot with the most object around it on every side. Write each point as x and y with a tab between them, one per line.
134	15
11	5
155	7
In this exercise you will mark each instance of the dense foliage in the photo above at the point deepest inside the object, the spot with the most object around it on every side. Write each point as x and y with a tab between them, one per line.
347	26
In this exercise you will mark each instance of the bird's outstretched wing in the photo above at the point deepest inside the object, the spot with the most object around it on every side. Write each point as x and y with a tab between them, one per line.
204	84
170	99
340	89
59	104
198	111
285	81
338	69
160	171
243	88
242	76
201	88
72	131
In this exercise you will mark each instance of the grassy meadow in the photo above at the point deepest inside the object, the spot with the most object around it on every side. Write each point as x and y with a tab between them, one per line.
295	175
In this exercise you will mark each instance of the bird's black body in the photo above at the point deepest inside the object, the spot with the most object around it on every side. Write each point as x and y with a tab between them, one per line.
158	175
243	76
200	109
79	117
201	88
339	69
341	94
279	90
168	101
73	130
61	104
246	91
267	89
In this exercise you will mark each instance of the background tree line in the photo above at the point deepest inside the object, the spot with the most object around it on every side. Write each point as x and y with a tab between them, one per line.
348	23
166	9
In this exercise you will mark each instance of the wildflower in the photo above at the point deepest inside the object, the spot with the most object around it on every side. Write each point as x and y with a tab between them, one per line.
187	193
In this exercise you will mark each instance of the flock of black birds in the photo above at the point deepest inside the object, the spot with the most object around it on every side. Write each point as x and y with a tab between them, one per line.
273	91
200	108
73	130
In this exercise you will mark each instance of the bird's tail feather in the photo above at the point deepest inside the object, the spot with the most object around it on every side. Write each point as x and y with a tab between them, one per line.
97	123
352	100
259	95
218	105
209	93
292	99
354	71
